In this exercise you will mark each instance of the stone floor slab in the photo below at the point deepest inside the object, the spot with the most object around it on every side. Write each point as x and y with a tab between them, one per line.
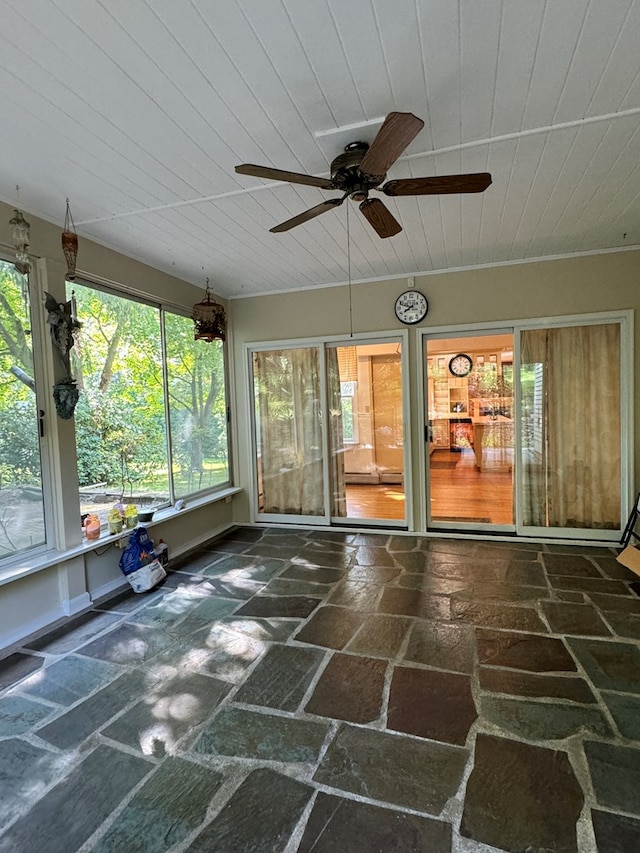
356	594
214	650
626	625
254	568
542	721
615	833
57	818
69	679
380	636
393	769
574	619
349	826
521	797
616	603
625	711
165	810
281	678
443	645
431	704
240	732
69	729
491	615
350	688
523	651
414	602
527	684
597	586
331	627
19	714
25	773
289	586
128	644
260	816
266	630
76	632
609	665
167	712
293	606
569	564
314	574
615	773
17	666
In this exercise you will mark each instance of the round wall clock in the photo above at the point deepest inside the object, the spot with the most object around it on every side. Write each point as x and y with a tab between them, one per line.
461	365
411	307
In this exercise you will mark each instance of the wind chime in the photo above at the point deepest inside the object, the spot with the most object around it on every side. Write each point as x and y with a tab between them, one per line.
21	231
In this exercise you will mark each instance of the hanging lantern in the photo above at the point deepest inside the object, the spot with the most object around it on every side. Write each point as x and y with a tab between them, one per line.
209	319
70	244
21	238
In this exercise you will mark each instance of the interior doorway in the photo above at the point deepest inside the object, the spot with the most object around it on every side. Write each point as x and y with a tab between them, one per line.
470	434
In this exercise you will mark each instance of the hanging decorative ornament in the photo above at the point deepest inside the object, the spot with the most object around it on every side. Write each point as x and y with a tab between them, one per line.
210	319
70	244
21	238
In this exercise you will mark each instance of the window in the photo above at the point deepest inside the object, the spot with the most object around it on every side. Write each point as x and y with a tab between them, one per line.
151	422
197	408
349	423
22	518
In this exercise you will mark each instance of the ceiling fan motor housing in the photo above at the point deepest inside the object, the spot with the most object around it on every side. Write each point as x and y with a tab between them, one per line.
346	174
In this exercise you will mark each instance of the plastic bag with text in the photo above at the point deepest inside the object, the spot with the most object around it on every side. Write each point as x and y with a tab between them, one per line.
139	562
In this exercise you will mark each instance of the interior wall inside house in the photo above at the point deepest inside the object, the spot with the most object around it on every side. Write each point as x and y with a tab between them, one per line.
544	289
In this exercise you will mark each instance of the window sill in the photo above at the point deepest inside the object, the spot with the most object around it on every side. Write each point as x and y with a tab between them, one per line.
33	563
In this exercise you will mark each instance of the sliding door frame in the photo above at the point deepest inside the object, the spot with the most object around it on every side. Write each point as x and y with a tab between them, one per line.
400	337
627	495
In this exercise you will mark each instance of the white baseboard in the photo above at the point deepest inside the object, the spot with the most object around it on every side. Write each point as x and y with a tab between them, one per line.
77	604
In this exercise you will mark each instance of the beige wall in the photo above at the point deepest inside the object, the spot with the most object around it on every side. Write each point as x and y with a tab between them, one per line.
581	285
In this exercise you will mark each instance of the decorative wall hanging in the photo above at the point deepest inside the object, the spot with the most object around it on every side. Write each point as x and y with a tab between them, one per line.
210	319
21	237
70	244
63	325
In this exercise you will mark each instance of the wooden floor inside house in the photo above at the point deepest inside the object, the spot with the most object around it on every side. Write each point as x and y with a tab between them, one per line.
459	492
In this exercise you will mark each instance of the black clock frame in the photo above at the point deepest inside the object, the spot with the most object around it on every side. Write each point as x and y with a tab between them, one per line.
461	355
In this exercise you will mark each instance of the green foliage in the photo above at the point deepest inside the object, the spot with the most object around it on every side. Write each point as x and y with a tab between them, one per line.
19	450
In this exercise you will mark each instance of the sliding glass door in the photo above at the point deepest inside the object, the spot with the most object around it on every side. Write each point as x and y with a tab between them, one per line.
329	434
526	430
470	432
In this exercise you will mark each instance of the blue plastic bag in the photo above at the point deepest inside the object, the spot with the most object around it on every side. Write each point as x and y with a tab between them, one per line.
138	553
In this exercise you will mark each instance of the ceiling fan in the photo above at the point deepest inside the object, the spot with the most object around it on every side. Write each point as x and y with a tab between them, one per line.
362	168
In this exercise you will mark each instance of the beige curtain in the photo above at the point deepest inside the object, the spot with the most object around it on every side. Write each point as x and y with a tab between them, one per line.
289	431
335	365
572	470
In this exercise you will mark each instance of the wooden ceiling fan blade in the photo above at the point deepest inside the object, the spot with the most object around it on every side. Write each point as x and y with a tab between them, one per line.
380	218
440	185
323	207
397	131
282	175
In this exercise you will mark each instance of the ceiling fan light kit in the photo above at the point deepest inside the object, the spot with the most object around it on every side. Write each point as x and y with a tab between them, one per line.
362	168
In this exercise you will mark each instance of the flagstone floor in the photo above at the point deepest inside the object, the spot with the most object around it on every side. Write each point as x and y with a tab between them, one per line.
316	691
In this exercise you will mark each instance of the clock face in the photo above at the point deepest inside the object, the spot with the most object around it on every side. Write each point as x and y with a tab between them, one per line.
411	307
461	365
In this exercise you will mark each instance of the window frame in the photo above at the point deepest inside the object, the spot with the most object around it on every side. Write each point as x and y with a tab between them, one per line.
163	308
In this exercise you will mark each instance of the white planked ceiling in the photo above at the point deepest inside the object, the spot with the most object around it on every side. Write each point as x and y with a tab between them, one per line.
139	110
